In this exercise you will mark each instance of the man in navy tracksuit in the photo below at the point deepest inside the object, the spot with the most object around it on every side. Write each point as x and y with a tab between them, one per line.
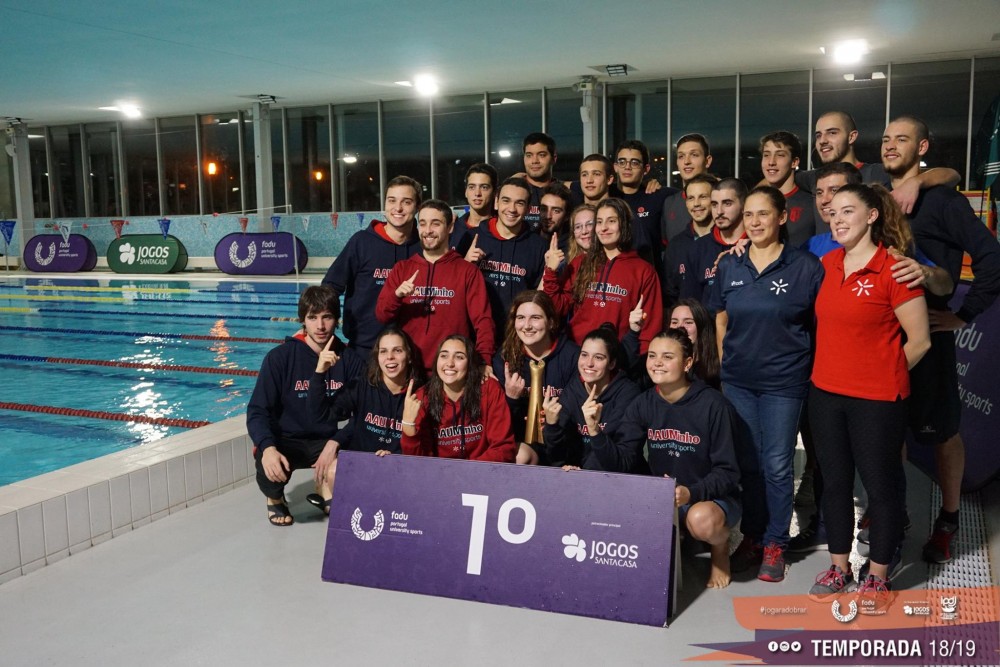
480	192
702	259
286	435
698	197
510	256
539	161
360	270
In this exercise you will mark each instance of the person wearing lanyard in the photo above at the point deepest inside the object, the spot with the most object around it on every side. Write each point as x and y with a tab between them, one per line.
764	316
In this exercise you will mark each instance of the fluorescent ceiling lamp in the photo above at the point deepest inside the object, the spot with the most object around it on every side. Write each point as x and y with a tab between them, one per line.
617	70
127	110
404	83
506	100
503	152
850	51
425	84
349	159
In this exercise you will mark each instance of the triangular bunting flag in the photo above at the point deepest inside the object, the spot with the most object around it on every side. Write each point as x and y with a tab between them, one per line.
64	229
117	226
164	226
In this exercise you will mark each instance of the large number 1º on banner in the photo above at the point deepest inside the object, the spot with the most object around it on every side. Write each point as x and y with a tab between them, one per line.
585	543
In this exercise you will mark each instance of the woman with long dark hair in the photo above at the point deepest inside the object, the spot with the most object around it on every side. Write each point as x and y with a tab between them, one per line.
870	331
531	341
606	283
690	315
460	413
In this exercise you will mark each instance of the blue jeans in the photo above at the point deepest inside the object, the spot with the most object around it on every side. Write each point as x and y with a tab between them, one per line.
765	449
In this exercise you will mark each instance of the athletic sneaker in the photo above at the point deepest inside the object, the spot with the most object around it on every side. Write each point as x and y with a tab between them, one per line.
897	560
810	538
806	495
874	594
831	582
747	555
938	547
772	566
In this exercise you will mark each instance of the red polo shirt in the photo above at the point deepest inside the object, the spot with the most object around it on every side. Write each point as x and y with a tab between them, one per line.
859	341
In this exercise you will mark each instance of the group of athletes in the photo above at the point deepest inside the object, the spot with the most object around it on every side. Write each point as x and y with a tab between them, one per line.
612	323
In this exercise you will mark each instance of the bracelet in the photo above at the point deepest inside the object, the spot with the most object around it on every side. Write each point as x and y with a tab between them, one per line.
407	423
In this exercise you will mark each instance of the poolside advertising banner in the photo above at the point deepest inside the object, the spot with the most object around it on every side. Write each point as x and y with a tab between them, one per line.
147	253
585	543
267	254
46	253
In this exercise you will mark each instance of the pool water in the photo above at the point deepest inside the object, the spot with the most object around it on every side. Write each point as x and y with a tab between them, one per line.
90	367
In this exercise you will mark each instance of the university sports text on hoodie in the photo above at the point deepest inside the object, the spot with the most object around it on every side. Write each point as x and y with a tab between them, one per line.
374	413
509	266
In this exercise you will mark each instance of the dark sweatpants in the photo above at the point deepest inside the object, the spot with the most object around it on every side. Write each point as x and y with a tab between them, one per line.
854	432
300	454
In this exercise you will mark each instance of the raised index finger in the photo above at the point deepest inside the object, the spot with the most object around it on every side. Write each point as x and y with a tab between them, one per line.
639	305
554	242
409	388
326	348
593	390
475	240
414	276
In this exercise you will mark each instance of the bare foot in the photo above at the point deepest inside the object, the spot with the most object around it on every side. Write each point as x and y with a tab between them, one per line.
719	576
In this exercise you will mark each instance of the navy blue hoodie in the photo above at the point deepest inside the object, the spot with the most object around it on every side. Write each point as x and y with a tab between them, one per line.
690	440
560	369
568	442
509	267
374	413
279	405
359	272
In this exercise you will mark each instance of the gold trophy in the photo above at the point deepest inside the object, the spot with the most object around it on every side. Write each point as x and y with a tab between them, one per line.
533	428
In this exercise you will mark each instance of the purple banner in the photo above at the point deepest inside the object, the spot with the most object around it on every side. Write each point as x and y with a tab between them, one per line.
585	543
271	254
978	365
48	253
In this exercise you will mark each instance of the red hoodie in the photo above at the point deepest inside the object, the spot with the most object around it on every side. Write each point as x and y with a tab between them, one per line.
450	298
610	297
456	437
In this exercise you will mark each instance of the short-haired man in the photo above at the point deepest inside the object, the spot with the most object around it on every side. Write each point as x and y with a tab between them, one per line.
835	136
596	176
286	434
480	193
539	150
557	203
780	153
437	293
944	227
693	158
698	197
727	199
510	255
361	268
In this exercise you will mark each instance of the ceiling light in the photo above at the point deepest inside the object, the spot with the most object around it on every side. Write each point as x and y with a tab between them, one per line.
404	83
503	152
878	75
848	77
425	84
506	100
617	70
127	110
850	51
349	159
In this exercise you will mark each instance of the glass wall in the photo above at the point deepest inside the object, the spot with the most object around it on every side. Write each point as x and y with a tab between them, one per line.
985	114
639	111
460	143
566	127
357	145
771	102
39	178
918	89
309	158
513	116
863	97
406	129
66	172
140	166
102	152
220	162
180	165
707	106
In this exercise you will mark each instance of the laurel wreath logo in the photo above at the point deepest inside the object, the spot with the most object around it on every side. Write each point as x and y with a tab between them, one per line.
234	256
366	535
45	261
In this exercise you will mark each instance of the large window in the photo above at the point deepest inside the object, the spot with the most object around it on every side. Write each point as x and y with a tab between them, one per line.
66	172
220	162
309	158
768	103
918	89
985	114
513	116
140	167
860	93
639	111
357	144
39	178
707	106
566	127
458	135
406	131
102	147
180	165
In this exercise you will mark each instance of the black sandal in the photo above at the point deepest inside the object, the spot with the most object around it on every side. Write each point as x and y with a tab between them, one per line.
316	500
279	511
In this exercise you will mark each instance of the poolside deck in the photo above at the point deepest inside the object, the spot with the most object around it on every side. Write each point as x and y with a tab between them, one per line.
215	584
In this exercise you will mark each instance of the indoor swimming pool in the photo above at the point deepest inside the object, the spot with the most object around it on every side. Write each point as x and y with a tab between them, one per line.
94	366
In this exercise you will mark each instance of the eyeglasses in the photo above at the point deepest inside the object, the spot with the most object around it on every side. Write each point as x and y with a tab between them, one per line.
623	162
581	227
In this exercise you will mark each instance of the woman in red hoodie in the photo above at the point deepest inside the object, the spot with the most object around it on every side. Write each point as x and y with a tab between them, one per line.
606	283
458	414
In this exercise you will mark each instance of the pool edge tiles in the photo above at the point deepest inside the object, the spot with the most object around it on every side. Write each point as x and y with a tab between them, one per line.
46	518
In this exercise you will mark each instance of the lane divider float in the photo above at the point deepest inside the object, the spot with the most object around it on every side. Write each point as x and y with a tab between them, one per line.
101	414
